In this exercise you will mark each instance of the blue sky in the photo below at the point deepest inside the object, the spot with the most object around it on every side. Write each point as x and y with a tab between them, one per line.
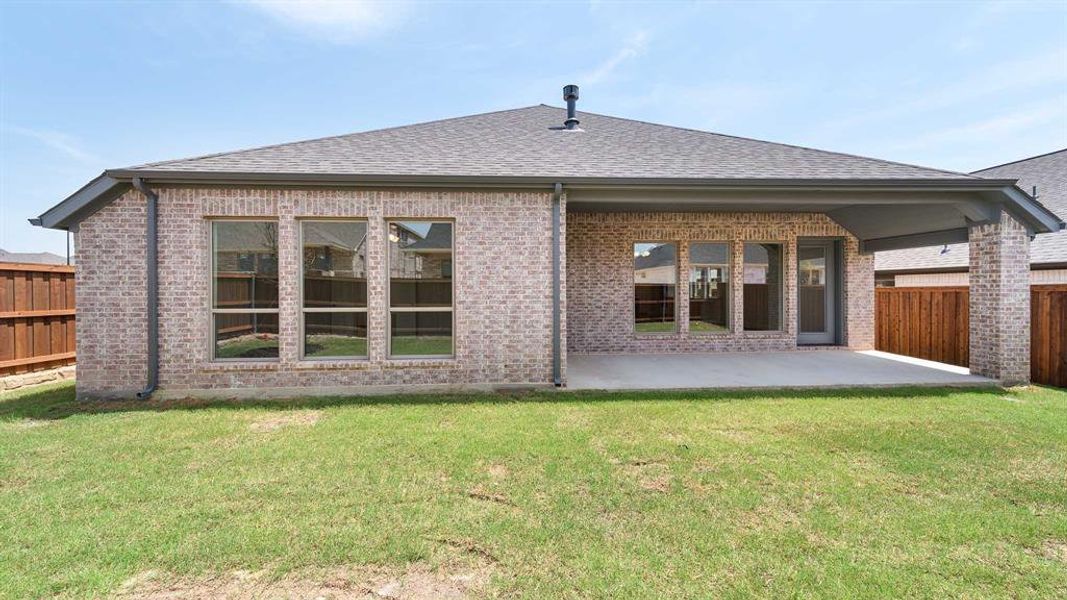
93	85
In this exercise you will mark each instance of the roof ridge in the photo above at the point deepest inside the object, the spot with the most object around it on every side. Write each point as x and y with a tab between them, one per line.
327	137
797	146
1012	162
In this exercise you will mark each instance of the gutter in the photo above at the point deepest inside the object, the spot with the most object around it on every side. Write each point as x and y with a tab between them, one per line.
297	179
152	285
557	352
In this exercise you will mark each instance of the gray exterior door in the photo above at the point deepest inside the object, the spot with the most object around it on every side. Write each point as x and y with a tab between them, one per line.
817	292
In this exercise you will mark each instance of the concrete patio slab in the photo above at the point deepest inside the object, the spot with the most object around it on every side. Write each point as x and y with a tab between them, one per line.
816	368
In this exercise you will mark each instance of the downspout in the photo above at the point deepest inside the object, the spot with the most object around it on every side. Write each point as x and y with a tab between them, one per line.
557	371
152	285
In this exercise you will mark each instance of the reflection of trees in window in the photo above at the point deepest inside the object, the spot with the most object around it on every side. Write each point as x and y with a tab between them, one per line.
335	288
245	289
655	280
709	287
420	288
812	266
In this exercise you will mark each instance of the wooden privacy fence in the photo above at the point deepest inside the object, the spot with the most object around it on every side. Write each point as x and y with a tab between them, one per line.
933	323
36	317
1048	334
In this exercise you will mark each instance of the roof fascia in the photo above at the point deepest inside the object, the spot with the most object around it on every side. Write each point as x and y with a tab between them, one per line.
247	178
1029	211
113	183
90	198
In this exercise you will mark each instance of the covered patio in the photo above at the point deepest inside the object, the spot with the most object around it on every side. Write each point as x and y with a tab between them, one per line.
753	370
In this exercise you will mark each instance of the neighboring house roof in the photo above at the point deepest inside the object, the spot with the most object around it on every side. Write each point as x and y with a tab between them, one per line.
438	238
248	237
529	146
699	254
657	256
337	234
1048	172
38	258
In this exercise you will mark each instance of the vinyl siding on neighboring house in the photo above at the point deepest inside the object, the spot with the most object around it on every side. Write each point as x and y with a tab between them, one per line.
1037	277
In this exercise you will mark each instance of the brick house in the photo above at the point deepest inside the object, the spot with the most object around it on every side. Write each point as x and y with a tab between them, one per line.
482	250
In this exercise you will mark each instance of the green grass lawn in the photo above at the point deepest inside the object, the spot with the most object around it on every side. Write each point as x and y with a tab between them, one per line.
334	346
705	327
248	346
655	327
844	494
318	346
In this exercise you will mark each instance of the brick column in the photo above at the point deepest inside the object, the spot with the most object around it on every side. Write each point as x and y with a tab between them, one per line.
681	309
858	280
290	255
1000	301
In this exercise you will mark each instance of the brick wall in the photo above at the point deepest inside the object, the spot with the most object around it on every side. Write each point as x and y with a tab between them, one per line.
111	324
1000	300
600	279
503	289
503	292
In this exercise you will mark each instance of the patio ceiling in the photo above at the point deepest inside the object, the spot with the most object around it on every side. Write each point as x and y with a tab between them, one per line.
880	219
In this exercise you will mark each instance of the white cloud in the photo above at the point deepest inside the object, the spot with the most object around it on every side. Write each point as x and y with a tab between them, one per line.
1043	69
58	141
988	132
713	105
635	46
338	21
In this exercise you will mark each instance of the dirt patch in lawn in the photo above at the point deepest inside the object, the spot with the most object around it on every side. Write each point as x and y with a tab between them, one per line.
276	421
1055	550
497	471
417	582
480	493
650	474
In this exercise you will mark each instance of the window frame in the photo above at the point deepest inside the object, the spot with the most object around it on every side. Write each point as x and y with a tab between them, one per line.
354	310
781	297
633	289
213	290
389	309
731	272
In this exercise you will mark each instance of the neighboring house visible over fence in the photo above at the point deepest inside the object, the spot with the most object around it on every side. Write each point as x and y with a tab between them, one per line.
36	317
41	258
933	323
948	265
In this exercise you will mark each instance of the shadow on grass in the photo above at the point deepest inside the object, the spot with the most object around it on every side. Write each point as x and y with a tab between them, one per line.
58	402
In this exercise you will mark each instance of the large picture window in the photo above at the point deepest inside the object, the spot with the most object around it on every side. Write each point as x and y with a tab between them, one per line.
420	288
244	290
763	290
709	287
655	280
334	266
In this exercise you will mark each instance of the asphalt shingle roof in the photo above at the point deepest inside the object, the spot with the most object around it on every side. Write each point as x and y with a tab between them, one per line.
1048	172
529	142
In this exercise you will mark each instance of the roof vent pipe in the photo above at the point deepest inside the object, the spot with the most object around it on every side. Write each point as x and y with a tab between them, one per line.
570	94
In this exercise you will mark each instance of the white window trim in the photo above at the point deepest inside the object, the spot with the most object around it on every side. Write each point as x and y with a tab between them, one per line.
389	309
330	309
212	341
